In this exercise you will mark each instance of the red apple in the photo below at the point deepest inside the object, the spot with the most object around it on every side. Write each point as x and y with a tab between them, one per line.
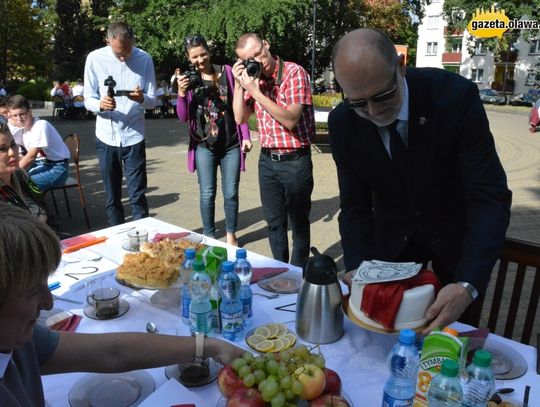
333	382
312	377
246	397
329	400
228	381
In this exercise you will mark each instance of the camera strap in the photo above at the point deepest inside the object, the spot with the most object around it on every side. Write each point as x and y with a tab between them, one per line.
280	71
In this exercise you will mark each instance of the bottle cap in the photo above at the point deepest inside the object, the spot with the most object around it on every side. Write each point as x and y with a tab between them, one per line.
190	253
482	358
449	368
241	253
450	331
407	336
227	266
198	265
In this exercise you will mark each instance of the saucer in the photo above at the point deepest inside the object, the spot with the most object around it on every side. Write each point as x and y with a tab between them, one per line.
90	311
506	363
280	285
111	390
175	371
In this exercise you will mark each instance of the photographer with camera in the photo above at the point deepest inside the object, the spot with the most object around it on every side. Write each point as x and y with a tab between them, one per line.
205	98
279	93
119	84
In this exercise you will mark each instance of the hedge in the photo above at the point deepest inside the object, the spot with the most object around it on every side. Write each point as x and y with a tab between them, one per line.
35	91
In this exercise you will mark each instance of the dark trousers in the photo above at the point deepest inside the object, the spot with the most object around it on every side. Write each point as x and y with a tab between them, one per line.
285	189
132	160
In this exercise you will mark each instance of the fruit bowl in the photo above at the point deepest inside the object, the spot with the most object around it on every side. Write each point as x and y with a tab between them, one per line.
222	402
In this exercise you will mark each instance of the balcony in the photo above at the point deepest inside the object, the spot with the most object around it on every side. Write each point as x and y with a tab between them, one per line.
451	57
507	56
457	33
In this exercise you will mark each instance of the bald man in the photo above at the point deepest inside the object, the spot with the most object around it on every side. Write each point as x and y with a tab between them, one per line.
419	176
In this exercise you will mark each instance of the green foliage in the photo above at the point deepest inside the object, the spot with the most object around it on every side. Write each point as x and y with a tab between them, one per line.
35	91
326	100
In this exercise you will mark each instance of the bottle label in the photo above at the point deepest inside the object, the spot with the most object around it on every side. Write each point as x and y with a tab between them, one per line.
200	322
216	315
185	306
232	322
475	391
389	401
247	308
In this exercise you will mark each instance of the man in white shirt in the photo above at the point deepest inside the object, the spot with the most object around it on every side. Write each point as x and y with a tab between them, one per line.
78	90
120	119
47	157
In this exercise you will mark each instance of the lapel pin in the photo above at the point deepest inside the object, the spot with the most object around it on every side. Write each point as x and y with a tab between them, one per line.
422	121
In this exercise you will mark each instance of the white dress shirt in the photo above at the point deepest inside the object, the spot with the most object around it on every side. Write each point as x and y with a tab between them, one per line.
125	125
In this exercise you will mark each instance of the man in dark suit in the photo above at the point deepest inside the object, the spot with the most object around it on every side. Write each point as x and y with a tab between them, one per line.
419	176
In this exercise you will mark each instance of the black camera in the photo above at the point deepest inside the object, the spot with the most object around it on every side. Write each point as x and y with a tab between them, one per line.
195	79
253	68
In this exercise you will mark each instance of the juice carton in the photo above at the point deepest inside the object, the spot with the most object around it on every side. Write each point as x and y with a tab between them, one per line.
212	257
438	346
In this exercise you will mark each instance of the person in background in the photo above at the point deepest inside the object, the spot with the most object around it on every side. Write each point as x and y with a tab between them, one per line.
57	90
280	96
418	172
78	90
120	141
29	253
47	157
4	108
216	140
3	91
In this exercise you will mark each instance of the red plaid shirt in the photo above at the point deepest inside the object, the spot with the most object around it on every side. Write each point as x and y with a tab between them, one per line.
294	89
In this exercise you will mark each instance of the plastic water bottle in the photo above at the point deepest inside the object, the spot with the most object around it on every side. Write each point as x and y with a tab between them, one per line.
215	302
232	316
403	360
200	310
242	267
479	382
445	388
185	274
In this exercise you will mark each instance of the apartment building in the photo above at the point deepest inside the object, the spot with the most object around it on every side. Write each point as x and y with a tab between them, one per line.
511	72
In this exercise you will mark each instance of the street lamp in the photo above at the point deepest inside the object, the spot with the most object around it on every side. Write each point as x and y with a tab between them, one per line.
313	46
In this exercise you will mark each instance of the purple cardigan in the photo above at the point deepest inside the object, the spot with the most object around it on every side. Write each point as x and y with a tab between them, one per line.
183	114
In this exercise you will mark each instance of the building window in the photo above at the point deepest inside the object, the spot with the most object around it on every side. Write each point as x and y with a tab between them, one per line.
432	22
531	76
431	48
480	48
477	75
456	47
535	47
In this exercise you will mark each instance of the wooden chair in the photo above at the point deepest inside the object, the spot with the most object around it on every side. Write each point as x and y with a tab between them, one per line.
514	290
73	143
59	106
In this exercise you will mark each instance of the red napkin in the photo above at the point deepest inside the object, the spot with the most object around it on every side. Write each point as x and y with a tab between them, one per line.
391	293
173	236
68	324
261	273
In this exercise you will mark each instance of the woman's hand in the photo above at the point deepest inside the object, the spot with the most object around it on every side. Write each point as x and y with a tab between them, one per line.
222	351
246	146
183	84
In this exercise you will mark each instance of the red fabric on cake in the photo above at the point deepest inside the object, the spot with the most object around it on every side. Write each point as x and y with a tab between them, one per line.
391	294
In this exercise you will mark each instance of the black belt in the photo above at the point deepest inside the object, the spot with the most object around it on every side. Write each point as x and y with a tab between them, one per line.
290	156
65	160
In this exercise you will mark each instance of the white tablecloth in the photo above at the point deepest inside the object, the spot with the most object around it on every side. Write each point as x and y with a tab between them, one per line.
359	356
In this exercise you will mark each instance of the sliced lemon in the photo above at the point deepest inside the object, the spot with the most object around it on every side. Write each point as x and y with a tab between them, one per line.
278	345
291	337
285	341
282	329
274	330
264	346
263	330
253	340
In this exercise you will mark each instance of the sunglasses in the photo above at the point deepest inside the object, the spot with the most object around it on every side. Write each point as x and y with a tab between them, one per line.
381	97
194	40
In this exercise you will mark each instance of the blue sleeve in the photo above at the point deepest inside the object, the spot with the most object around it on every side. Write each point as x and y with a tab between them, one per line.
45	342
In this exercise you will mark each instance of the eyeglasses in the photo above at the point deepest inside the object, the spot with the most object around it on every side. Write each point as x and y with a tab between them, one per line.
194	40
381	97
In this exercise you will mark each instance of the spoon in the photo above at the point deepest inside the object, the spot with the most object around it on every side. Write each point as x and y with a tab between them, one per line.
269	296
151	328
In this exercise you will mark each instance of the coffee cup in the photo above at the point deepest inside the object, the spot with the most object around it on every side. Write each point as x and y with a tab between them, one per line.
136	237
104	300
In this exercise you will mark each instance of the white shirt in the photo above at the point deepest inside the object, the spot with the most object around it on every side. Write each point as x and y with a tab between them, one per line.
77	90
44	136
4	362
57	92
125	125
402	125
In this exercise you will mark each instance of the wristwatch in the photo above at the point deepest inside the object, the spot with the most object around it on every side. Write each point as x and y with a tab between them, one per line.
470	289
199	347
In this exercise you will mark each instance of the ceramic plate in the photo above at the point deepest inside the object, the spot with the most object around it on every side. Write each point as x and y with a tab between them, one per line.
506	363
280	285
111	390
90	311
175	371
222	402
166	298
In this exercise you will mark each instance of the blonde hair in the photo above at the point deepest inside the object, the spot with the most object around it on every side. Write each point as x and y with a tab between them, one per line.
29	250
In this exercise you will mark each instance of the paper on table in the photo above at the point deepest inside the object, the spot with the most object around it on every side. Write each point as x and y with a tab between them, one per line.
172	392
376	271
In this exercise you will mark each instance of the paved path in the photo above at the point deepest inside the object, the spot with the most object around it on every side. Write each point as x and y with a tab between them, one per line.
173	191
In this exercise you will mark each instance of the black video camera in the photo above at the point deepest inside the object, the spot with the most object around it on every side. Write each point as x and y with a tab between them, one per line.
110	83
253	68
195	79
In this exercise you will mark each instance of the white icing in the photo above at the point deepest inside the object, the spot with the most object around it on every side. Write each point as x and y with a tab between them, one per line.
411	312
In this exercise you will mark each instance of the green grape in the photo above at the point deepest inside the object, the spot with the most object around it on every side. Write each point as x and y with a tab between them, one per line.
319	361
259	375
248	356
237	364
249	380
259	362
285	355
297	386
289	394
272	378
271	389
282	370
244	371
302	351
272	366
285	382
278	400
262	385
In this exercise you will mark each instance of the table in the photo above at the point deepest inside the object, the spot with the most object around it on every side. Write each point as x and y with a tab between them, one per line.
359	356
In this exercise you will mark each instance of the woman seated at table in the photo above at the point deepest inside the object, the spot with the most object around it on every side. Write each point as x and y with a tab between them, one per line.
29	252
16	187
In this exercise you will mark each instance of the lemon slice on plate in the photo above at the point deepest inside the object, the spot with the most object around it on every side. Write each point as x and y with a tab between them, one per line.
273	329
263	331
254	339
278	345
291	337
265	346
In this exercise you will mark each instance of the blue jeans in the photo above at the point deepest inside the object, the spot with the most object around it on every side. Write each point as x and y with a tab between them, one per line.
285	189
133	159
47	175
207	162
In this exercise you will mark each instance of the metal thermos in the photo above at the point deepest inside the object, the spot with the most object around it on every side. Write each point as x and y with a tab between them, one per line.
319	317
